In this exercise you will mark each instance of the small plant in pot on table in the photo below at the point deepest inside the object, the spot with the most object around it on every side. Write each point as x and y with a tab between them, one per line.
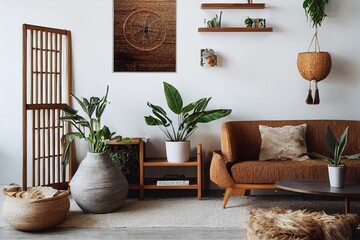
188	116
336	149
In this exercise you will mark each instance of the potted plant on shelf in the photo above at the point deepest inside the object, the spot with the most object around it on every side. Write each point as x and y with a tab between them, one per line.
98	186
188	117
314	65
336	149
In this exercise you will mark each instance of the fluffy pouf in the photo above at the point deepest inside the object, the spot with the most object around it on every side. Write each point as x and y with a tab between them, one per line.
280	224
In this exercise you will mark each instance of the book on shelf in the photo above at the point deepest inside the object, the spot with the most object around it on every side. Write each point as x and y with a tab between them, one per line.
173	180
172	183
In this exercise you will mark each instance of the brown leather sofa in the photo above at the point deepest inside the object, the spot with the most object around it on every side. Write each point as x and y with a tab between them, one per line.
237	167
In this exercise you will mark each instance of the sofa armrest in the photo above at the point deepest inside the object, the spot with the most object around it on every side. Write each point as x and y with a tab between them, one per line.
219	173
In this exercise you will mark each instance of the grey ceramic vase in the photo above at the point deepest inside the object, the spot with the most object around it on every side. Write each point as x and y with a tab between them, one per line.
98	185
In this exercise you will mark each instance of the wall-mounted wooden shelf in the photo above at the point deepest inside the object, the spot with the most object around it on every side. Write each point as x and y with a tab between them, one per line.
235	29
233	5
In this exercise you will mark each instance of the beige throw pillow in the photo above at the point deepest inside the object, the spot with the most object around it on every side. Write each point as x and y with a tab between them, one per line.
283	143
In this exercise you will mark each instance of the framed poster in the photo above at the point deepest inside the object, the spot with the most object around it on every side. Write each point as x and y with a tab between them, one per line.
144	36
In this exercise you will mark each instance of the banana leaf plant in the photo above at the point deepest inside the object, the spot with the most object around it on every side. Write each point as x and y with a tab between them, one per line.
89	127
335	147
188	116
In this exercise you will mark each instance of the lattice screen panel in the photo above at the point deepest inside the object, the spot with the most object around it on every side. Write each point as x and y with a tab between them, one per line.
47	82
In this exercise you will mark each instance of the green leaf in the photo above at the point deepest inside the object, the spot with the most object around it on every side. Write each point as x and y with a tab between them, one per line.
212	115
202	104
151	121
173	98
83	106
342	143
69	110
330	142
319	156
162	119
188	108
66	141
157	109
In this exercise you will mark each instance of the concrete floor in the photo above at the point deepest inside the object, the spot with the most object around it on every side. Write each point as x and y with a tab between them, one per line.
127	233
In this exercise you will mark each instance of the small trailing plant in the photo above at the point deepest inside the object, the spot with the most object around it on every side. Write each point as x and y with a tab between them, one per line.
335	147
187	116
89	127
126	159
215	22
249	22
315	11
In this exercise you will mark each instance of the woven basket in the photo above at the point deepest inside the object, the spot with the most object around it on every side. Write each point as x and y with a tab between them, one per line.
314	65
29	215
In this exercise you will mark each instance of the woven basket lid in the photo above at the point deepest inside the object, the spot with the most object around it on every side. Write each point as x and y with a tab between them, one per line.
314	65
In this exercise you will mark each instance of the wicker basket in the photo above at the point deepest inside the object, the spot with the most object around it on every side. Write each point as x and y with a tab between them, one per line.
29	215
314	65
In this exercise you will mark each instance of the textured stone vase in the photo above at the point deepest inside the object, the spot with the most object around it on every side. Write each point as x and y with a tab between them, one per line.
98	186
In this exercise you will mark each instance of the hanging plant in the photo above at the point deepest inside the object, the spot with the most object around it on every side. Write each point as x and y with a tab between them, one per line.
314	65
315	11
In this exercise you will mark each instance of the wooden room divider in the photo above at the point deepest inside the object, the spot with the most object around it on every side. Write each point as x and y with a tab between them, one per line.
47	82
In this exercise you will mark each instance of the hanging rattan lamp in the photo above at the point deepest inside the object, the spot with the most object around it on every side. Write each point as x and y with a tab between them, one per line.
314	66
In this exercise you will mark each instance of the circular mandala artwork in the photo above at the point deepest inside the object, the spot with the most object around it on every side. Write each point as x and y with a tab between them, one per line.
144	30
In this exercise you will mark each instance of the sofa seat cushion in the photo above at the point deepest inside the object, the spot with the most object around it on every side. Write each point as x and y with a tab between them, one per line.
264	172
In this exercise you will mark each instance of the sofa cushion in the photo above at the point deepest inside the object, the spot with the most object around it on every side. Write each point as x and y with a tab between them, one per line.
283	143
264	172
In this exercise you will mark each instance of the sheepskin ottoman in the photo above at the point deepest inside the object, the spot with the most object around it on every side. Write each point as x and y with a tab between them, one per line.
280	224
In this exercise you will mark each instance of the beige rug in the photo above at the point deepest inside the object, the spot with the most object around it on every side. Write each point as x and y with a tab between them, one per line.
191	213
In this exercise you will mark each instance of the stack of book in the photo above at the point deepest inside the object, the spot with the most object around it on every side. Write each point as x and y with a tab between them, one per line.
173	180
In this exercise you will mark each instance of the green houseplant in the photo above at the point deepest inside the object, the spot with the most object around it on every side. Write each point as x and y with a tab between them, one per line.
314	65
336	150
89	129
98	185
188	117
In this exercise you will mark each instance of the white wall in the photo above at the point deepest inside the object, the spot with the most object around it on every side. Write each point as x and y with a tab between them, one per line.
257	77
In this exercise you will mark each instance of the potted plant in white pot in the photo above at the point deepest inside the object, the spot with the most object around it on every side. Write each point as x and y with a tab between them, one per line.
188	117
336	149
98	186
314	65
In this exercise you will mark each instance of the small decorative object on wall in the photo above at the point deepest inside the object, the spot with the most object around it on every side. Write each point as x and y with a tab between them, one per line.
314	66
249	22
215	22
144	36
208	58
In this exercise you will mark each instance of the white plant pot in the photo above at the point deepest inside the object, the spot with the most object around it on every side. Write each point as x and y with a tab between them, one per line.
177	152
337	176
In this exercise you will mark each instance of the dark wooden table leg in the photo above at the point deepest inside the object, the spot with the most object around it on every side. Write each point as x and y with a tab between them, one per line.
347	205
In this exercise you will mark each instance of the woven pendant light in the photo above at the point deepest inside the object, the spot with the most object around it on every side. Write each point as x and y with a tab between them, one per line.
314	66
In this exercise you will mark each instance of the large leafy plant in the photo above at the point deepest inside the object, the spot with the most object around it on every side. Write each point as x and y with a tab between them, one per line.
89	127
335	147
187	116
